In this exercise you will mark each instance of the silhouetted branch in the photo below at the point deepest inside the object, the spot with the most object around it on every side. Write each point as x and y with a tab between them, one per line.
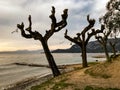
69	38
55	27
30	24
82	39
21	27
91	24
35	35
95	32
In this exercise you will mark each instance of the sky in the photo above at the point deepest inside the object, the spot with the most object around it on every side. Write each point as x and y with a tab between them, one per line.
13	12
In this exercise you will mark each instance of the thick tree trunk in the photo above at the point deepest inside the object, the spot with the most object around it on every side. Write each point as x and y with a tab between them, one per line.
106	53
84	56
50	59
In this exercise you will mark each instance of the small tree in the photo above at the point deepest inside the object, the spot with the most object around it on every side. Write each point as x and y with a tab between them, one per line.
112	17
111	20
113	44
55	27
83	38
103	39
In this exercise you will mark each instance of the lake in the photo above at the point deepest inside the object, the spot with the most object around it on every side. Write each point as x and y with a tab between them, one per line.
11	73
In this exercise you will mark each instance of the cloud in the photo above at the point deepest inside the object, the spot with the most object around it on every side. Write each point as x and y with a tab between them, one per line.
14	12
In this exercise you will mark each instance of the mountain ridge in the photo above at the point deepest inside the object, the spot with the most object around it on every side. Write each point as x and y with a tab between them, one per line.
92	47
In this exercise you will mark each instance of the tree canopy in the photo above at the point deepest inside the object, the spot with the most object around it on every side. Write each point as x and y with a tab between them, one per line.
111	19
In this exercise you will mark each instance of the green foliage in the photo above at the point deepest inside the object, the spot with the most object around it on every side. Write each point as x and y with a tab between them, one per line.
99	88
54	84
112	17
41	86
76	89
93	63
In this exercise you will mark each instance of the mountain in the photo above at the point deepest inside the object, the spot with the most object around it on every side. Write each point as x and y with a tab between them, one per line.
22	51
92	47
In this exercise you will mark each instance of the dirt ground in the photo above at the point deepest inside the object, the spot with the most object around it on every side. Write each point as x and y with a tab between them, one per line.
105	75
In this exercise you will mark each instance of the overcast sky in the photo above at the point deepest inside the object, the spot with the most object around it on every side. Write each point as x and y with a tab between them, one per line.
13	12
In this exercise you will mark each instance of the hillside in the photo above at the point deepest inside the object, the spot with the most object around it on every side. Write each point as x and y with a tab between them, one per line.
92	47
100	76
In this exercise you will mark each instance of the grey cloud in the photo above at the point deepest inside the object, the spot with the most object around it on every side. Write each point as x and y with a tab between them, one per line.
16	11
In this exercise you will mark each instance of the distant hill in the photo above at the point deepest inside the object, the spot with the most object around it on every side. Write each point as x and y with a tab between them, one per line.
21	51
92	47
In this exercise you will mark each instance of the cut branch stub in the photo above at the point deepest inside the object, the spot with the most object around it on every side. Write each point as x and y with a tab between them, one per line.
91	21
21	27
66	32
30	24
65	14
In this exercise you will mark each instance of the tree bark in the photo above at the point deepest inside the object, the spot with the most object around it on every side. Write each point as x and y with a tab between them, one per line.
84	56
50	59
114	51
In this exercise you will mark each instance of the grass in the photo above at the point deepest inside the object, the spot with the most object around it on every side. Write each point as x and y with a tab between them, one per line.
99	70
41	86
77	79
61	85
99	88
93	63
58	83
94	74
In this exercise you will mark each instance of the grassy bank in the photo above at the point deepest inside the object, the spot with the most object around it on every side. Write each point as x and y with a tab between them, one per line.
99	76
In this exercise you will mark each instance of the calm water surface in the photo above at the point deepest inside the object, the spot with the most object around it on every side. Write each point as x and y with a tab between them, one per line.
10	73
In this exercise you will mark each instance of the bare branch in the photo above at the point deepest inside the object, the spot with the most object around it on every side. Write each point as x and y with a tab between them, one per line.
69	38
21	27
55	27
91	24
29	29
63	22
100	39
64	17
36	35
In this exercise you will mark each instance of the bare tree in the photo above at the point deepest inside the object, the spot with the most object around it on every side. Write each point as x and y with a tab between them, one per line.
83	38
113	44
55	27
103	40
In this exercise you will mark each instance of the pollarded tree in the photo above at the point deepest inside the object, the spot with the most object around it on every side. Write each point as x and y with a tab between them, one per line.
103	40
83	38
55	27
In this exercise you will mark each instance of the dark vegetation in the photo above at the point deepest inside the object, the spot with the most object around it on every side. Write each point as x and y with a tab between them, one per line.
99	88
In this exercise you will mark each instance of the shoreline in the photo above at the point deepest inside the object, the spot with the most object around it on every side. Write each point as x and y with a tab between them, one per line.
28	82
36	80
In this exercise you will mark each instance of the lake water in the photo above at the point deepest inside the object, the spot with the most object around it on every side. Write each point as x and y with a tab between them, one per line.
10	73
